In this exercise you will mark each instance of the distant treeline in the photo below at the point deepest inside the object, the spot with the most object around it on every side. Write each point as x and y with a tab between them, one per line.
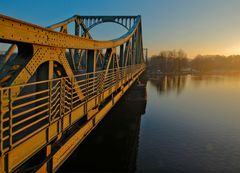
216	63
169	61
177	62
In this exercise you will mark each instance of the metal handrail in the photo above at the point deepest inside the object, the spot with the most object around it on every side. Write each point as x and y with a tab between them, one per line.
47	105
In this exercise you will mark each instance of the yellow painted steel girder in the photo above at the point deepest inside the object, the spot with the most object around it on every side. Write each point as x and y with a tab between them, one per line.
20	31
42	54
48	46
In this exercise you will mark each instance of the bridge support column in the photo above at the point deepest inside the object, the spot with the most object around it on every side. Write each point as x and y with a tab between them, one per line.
45	72
91	68
121	60
91	61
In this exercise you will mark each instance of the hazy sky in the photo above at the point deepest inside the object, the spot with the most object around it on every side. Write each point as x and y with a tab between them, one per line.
196	26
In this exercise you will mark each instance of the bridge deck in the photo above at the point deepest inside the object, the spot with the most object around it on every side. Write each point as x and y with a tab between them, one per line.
47	109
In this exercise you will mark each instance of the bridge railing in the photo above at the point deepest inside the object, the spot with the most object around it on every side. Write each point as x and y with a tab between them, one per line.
42	103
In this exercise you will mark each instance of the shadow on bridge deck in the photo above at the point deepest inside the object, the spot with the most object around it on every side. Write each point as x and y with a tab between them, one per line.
113	145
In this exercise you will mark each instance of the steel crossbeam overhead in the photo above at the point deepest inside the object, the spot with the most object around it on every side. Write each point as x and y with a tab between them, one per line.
56	86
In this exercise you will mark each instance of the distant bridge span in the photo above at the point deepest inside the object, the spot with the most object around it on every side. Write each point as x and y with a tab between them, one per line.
57	83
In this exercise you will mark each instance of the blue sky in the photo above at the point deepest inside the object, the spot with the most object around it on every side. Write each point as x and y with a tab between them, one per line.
196	26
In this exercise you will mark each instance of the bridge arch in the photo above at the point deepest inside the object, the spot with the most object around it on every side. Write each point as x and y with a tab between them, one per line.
117	30
127	22
101	22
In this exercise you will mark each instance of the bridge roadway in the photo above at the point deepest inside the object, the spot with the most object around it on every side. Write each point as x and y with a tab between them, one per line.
56	86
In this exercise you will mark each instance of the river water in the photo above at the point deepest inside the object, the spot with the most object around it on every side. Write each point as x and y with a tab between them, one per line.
179	124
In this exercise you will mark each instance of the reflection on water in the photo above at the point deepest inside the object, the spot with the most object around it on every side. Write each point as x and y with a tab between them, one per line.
190	124
165	84
197	130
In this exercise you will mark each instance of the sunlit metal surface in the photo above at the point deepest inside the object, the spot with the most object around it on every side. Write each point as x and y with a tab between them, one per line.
55	86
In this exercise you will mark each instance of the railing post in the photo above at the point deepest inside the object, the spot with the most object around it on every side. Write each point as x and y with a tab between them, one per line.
10	116
132	71
50	100
87	87
95	86
62	104
62	97
100	86
72	86
1	122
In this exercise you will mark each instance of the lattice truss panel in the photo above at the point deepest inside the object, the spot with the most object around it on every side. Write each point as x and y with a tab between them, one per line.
72	51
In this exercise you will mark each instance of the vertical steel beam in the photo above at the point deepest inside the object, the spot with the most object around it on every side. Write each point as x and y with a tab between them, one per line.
121	55
77	32
91	61
50	76
126	53
64	29
10	118
133	49
50	69
1	123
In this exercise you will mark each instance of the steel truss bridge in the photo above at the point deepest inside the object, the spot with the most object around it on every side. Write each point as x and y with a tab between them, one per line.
56	85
